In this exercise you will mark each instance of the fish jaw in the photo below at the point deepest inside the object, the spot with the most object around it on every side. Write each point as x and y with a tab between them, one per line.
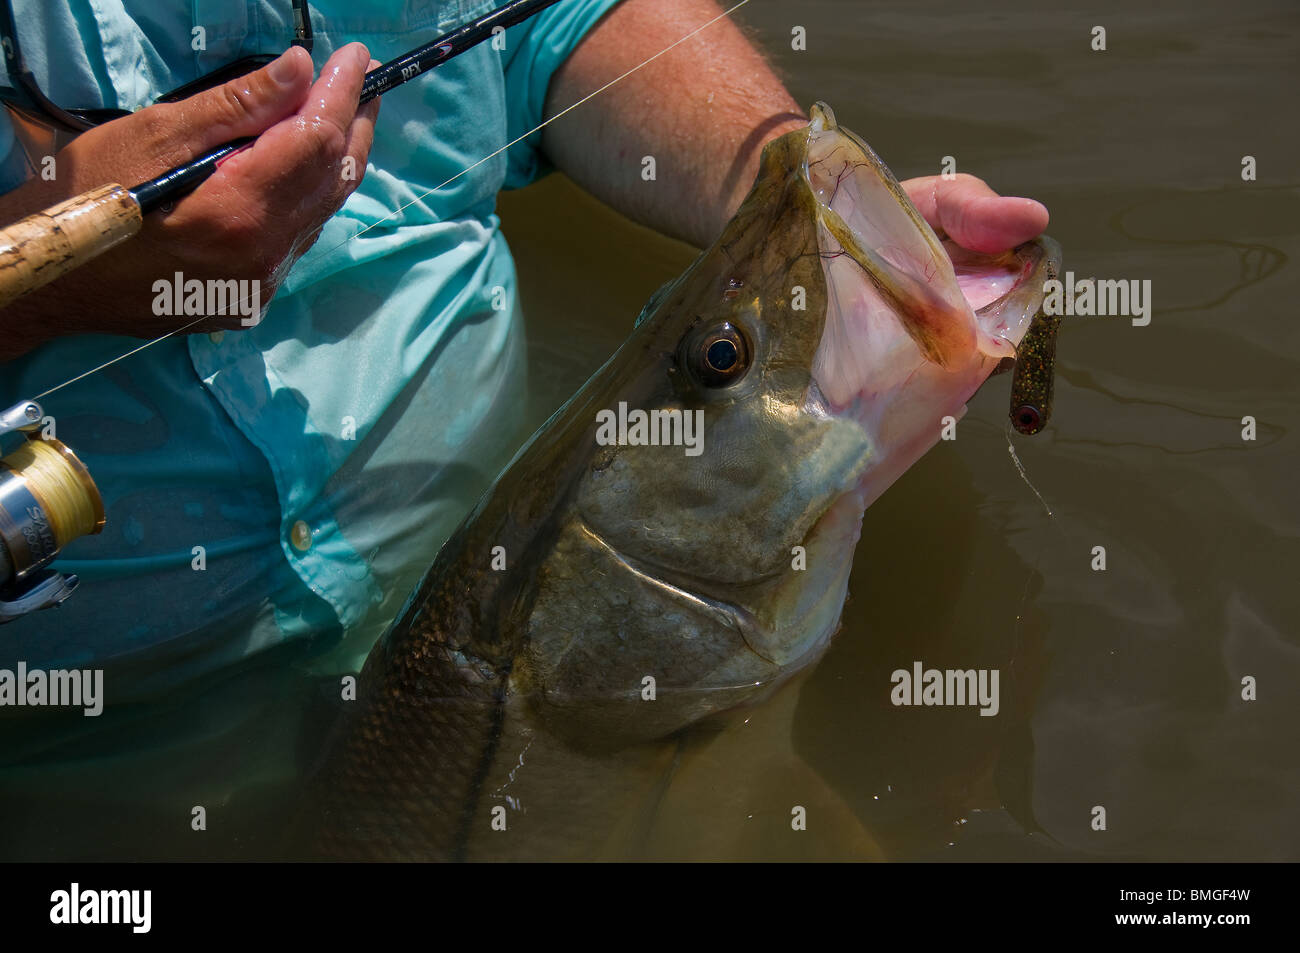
914	325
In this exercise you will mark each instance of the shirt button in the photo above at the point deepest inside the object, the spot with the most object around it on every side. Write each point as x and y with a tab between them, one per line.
216	337
300	536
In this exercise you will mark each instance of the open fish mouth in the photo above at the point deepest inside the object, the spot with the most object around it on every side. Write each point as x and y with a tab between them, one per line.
914	324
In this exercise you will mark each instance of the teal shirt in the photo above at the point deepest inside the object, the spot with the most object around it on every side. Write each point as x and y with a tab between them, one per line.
373	403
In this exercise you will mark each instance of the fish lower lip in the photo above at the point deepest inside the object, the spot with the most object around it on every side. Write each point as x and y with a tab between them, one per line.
743	621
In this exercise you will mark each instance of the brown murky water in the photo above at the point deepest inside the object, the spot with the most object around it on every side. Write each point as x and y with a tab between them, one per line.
1120	688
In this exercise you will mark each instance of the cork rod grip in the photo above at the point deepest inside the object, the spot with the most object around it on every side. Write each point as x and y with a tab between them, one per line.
49	244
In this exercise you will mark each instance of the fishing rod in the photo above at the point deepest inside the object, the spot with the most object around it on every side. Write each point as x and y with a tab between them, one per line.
47	496
48	244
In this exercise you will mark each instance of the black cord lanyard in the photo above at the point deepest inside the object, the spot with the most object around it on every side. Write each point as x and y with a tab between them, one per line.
26	94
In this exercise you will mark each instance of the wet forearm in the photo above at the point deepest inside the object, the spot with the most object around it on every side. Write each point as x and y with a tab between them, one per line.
702	112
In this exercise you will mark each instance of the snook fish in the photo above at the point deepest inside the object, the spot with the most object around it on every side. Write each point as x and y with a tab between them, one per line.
531	711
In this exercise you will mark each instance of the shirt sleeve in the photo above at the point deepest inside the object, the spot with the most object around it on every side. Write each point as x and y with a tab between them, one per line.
534	51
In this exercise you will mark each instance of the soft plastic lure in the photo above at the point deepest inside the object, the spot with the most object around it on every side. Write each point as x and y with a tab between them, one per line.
1031	381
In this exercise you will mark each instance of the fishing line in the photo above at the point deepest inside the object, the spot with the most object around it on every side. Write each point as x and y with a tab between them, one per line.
419	198
1017	633
1023	475
123	357
47	499
59	481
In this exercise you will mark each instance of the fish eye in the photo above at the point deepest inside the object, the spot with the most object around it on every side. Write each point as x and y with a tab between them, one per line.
1027	419
721	357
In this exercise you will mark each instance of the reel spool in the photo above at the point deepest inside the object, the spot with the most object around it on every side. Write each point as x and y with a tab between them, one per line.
47	499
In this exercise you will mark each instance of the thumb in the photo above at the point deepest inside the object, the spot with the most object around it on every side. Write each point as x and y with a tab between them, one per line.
244	106
994	223
973	215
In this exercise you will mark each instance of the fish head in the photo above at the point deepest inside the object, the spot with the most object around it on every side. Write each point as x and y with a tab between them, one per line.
807	359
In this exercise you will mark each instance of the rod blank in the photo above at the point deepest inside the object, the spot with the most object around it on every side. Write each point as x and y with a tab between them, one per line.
49	244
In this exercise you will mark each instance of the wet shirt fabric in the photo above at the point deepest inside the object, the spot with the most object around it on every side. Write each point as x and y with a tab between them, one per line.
285	485
297	461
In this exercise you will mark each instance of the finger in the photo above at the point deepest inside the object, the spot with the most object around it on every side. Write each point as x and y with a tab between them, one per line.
975	216
361	135
245	106
303	153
